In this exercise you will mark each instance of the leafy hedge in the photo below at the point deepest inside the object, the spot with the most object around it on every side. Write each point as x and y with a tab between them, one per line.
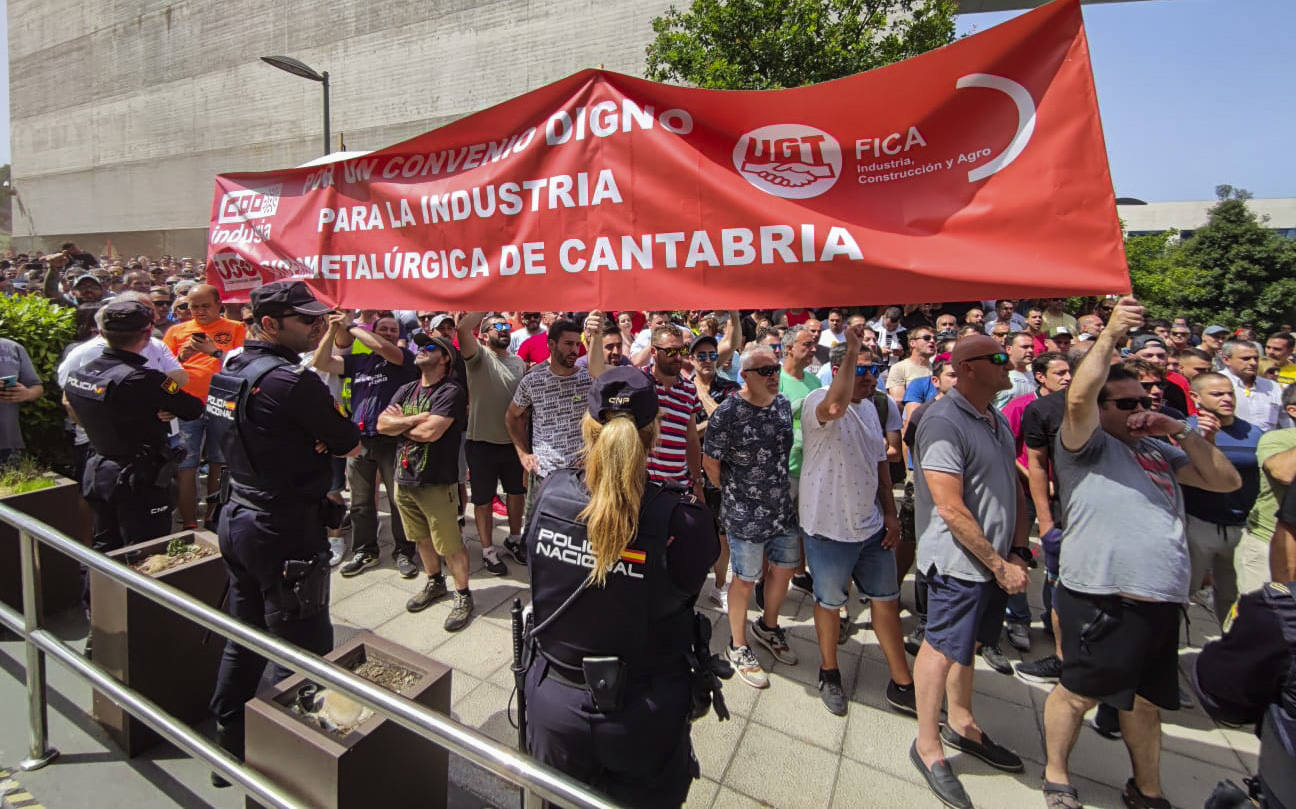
44	329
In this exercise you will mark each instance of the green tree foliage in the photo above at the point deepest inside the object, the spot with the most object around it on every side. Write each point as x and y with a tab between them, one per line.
44	330
769	44
1233	270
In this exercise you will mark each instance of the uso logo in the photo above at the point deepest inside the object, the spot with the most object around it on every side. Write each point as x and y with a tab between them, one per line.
235	271
793	161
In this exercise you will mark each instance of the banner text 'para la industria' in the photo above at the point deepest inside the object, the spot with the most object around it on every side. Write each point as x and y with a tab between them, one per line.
976	169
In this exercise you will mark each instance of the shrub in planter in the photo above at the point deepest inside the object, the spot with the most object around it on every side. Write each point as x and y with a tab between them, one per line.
57	502
44	329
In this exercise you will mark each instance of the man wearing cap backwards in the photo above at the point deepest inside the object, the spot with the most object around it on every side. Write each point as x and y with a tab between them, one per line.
124	408
971	524
616	563
274	516
375	375
428	417
1124	569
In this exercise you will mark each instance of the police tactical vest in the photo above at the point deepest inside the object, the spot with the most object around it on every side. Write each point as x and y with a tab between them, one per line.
638	615
90	393
264	460
1278	728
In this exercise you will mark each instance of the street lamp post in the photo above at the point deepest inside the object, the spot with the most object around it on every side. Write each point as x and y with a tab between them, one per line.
297	68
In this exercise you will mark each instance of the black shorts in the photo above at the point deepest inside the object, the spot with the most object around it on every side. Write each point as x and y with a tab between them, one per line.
1138	654
491	465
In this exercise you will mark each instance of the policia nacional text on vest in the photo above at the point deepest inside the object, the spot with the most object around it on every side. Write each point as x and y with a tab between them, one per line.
636	634
127	477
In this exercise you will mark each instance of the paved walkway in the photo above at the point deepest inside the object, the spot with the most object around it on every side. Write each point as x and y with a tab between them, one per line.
781	748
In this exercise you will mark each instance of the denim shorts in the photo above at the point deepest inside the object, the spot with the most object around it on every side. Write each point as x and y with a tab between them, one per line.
192	434
834	564
747	558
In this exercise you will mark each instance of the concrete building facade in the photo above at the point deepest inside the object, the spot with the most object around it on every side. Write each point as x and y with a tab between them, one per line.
123	111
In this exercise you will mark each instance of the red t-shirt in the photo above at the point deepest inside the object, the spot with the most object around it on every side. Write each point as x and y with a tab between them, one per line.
535	348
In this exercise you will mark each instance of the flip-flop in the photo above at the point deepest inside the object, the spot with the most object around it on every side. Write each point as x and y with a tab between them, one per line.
1061	796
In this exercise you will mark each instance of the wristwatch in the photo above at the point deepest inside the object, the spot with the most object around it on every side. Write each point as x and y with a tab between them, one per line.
1182	434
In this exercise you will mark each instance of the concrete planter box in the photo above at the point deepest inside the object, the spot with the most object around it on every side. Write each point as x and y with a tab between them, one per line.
164	656
62	507
378	763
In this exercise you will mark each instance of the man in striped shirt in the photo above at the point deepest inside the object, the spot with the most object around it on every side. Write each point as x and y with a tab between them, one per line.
677	458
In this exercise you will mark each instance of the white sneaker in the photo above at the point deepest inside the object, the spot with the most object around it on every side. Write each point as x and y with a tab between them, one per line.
337	549
719	596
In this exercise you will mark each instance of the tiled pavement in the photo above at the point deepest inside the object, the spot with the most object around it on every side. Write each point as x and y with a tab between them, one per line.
781	748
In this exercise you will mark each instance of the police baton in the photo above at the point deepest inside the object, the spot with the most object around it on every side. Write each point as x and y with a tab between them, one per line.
519	670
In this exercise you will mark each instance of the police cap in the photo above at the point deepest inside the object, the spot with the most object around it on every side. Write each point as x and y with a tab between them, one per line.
285	297
125	316
624	389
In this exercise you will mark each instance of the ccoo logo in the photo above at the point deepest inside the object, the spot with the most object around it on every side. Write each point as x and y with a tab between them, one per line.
793	161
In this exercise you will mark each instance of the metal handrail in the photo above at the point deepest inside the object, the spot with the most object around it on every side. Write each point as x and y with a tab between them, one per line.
537	781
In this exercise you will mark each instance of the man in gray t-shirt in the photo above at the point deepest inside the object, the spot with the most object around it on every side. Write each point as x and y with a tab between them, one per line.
1124	568
971	526
21	384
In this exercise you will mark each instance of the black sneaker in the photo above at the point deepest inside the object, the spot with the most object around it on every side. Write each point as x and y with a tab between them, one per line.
830	691
913	641
359	563
1045	670
901	699
406	566
1019	635
804	582
996	659
517	549
494	564
434	589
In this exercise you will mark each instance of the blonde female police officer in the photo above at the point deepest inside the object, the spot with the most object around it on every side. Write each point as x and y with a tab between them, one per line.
616	563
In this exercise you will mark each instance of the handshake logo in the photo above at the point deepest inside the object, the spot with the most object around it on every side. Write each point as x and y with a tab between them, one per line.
793	161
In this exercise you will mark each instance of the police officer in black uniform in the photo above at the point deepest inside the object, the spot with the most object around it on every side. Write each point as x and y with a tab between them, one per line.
125	409
281	427
616	563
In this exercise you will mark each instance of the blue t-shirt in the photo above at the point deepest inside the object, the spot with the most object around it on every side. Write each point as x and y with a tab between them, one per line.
374	381
923	389
1238	442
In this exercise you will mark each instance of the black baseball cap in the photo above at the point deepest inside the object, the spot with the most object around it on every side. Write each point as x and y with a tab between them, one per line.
282	297
85	278
423	339
624	389
1142	341
700	340
126	317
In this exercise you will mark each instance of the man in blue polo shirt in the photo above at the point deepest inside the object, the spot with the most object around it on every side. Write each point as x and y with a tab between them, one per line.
1216	520
375	377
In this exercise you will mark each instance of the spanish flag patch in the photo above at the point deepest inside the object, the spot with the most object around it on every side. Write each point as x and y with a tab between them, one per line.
170	385
634	556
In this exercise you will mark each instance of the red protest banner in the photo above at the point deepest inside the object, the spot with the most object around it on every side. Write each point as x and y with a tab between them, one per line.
976	169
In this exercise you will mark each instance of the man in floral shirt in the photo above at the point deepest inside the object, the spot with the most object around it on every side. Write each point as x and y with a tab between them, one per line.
748	439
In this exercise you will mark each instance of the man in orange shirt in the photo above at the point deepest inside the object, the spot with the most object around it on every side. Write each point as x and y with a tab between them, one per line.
201	344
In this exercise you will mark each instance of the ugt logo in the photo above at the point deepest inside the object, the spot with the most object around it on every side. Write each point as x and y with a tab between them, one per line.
793	161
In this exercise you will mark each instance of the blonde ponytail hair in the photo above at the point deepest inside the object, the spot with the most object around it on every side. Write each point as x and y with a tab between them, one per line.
616	456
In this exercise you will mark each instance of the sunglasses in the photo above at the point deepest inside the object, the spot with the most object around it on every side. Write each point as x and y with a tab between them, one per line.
182	306
670	352
997	358
874	370
764	370
777	348
1132	402
307	320
925	337
707	355
1180	334
430	347
1151	386
501	327
530	315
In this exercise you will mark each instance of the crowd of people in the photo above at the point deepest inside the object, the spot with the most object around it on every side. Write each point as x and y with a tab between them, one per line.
1152	459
